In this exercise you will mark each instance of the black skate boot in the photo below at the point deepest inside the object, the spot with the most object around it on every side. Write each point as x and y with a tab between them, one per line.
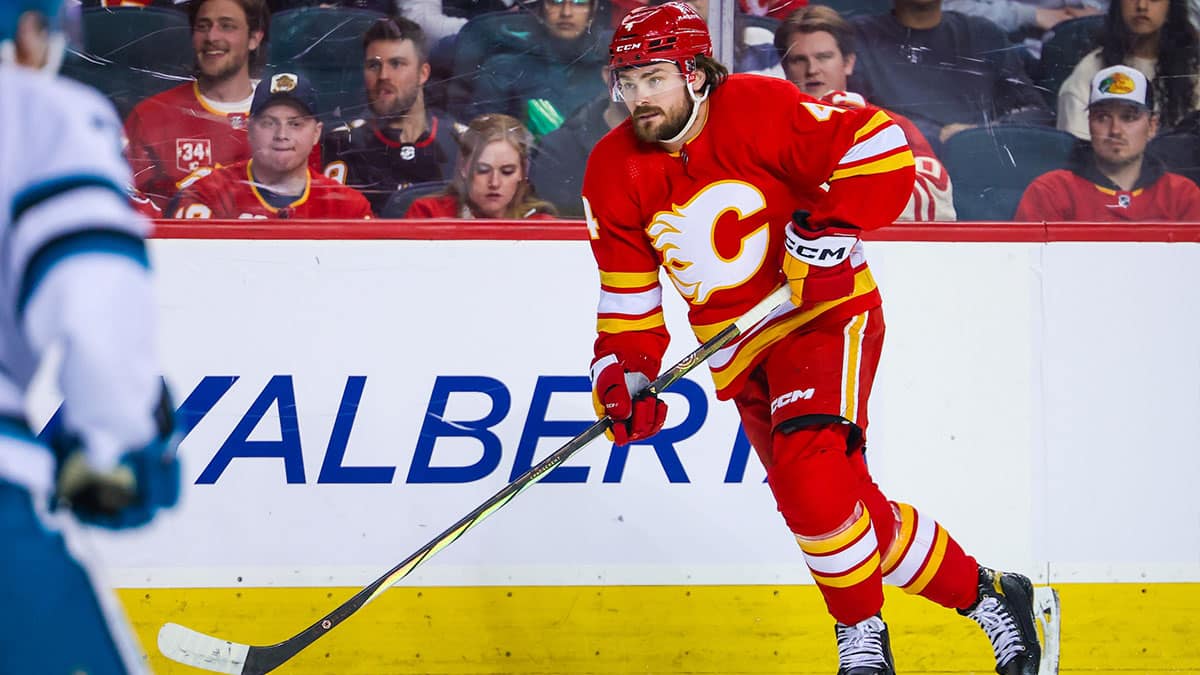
1005	612
864	648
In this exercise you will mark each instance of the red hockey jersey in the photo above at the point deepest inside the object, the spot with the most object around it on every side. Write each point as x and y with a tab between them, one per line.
713	217
230	192
1066	195
175	138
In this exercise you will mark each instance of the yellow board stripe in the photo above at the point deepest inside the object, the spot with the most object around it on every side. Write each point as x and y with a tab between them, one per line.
879	119
932	565
837	541
628	279
626	325
901	540
859	575
890	163
609	629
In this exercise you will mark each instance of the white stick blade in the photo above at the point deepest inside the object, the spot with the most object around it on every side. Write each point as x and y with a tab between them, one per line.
1049	615
198	650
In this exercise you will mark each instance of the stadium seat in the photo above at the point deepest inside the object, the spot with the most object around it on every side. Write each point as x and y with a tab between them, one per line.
852	8
325	43
1180	150
130	53
397	205
992	166
1062	50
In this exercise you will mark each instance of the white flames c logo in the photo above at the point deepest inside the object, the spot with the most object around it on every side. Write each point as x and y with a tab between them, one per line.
685	237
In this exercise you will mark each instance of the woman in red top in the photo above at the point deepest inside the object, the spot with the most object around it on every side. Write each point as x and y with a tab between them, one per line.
492	180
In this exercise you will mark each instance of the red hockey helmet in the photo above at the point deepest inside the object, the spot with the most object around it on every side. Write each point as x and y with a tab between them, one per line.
672	32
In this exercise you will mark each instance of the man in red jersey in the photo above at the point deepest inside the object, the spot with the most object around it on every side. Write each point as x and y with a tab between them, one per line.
276	182
816	49
703	180
187	131
1111	178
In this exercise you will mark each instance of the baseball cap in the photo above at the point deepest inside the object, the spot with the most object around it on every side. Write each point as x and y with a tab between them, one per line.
1121	83
284	86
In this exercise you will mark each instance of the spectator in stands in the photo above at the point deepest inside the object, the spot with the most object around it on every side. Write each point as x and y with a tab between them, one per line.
187	131
816	47
561	155
1112	178
491	180
557	72
1153	36
401	142
943	70
444	18
1026	17
277	181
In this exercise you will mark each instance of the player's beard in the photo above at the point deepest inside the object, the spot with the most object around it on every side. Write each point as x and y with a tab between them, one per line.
399	108
673	122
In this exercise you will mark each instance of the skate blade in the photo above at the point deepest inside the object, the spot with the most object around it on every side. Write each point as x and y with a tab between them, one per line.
1047	611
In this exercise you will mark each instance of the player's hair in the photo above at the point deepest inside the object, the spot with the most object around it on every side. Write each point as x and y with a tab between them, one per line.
396	29
1178	57
258	17
714	72
815	19
487	129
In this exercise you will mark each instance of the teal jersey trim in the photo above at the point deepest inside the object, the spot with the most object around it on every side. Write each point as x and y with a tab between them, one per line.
110	242
48	189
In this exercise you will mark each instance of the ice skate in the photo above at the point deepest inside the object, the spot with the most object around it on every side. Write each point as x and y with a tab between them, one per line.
864	648
1005	612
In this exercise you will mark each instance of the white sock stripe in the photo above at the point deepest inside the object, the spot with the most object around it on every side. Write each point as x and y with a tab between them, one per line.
910	565
846	559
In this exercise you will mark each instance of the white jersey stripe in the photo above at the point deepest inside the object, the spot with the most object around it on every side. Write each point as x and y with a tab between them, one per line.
634	304
882	142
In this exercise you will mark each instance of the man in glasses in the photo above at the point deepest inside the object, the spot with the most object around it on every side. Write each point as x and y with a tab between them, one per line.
400	142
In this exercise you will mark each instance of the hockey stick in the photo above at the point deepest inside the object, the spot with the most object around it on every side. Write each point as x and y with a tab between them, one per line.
196	649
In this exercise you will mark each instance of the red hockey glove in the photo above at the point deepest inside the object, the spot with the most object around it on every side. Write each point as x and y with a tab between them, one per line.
615	390
817	260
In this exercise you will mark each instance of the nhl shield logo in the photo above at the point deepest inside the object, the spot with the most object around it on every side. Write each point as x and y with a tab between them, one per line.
1124	201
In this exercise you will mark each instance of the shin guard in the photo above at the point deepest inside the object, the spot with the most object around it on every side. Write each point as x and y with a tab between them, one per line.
923	559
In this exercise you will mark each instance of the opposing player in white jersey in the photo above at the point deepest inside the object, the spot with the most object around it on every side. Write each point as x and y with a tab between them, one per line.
74	278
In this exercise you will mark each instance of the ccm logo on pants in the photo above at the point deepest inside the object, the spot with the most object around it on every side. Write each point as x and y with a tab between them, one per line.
797	395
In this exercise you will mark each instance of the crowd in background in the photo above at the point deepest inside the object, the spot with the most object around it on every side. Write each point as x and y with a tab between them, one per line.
1026	109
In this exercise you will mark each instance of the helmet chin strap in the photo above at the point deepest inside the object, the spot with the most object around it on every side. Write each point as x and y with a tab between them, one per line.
697	99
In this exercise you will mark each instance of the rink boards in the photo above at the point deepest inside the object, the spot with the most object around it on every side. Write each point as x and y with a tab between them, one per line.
355	397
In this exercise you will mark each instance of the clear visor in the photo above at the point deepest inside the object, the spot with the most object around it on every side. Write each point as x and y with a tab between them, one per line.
635	83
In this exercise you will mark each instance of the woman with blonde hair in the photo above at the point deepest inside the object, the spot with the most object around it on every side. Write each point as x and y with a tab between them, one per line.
492	177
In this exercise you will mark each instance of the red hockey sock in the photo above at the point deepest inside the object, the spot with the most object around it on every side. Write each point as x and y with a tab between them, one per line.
924	559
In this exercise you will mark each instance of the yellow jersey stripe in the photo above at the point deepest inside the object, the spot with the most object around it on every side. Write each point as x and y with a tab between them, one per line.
628	279
891	163
627	325
877	120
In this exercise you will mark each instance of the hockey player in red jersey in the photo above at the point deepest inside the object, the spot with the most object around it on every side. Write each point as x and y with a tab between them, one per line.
703	180
277	181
